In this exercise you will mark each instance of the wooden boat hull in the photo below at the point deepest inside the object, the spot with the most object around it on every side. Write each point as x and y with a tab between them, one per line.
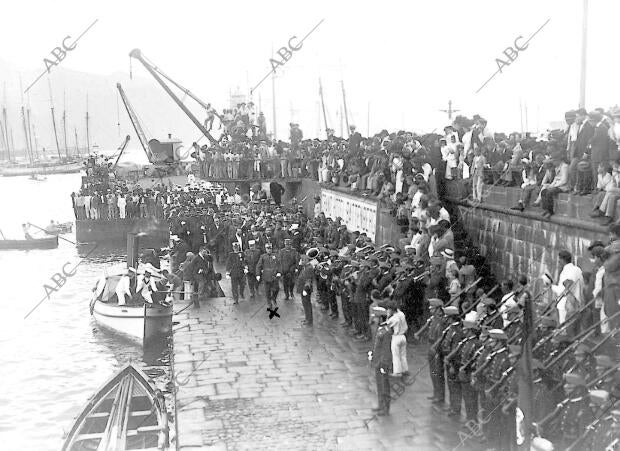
141	323
16	171
125	413
38	243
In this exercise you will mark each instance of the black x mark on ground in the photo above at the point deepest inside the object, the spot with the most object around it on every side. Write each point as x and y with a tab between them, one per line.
273	312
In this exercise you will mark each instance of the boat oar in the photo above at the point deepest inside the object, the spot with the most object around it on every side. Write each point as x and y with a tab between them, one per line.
2	235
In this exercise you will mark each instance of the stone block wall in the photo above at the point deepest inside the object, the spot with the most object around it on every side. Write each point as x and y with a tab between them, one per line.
523	243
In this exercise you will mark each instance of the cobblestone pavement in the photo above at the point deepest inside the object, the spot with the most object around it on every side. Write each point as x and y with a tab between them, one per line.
249	382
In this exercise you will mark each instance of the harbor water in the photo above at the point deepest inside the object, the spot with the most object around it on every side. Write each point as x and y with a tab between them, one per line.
56	358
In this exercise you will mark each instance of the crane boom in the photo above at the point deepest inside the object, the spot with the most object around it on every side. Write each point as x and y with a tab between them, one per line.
122	149
135	122
137	54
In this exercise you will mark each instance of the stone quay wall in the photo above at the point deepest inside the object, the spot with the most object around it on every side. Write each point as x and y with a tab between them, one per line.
515	242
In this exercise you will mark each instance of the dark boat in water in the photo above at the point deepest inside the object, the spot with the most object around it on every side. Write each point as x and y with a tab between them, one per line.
34	243
126	413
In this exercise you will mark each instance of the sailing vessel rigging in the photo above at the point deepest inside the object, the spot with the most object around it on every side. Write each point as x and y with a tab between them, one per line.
49	84
64	123
323	107
24	124
346	113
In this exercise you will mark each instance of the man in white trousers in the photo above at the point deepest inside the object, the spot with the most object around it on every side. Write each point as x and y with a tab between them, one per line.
398	323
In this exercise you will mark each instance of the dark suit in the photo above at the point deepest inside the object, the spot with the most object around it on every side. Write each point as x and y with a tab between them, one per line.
583	139
235	266
276	192
289	259
202	272
251	258
382	363
267	268
217	241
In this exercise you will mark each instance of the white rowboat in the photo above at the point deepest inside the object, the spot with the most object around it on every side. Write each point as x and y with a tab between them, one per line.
126	413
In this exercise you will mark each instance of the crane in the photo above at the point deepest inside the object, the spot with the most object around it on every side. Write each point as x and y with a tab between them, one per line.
156	72
121	150
136	124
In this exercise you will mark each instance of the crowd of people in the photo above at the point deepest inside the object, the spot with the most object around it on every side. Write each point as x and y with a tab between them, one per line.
475	330
426	282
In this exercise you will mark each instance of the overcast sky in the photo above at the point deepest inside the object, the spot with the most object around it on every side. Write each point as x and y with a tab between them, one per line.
405	59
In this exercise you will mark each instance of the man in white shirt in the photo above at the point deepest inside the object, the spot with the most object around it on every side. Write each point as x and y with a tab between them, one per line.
508	300
123	287
121	202
397	322
146	286
87	206
573	273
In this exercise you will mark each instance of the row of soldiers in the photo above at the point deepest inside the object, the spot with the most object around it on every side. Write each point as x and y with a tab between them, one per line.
477	351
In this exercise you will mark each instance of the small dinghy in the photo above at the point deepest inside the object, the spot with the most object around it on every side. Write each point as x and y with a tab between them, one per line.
125	414
141	321
34	243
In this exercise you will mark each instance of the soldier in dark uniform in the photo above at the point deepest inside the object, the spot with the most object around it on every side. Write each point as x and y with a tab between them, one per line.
585	363
235	270
360	300
289	258
470	344
269	271
542	337
330	295
448	343
489	316
279	237
513	328
340	276
507	392
217	238
304	288
381	360
437	323
570	418
487	373
252	255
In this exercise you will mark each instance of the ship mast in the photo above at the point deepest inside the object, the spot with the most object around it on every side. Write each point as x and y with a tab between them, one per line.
6	126
77	146
273	100
323	106
49	84
87	131
346	113
64	121
33	149
28	151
